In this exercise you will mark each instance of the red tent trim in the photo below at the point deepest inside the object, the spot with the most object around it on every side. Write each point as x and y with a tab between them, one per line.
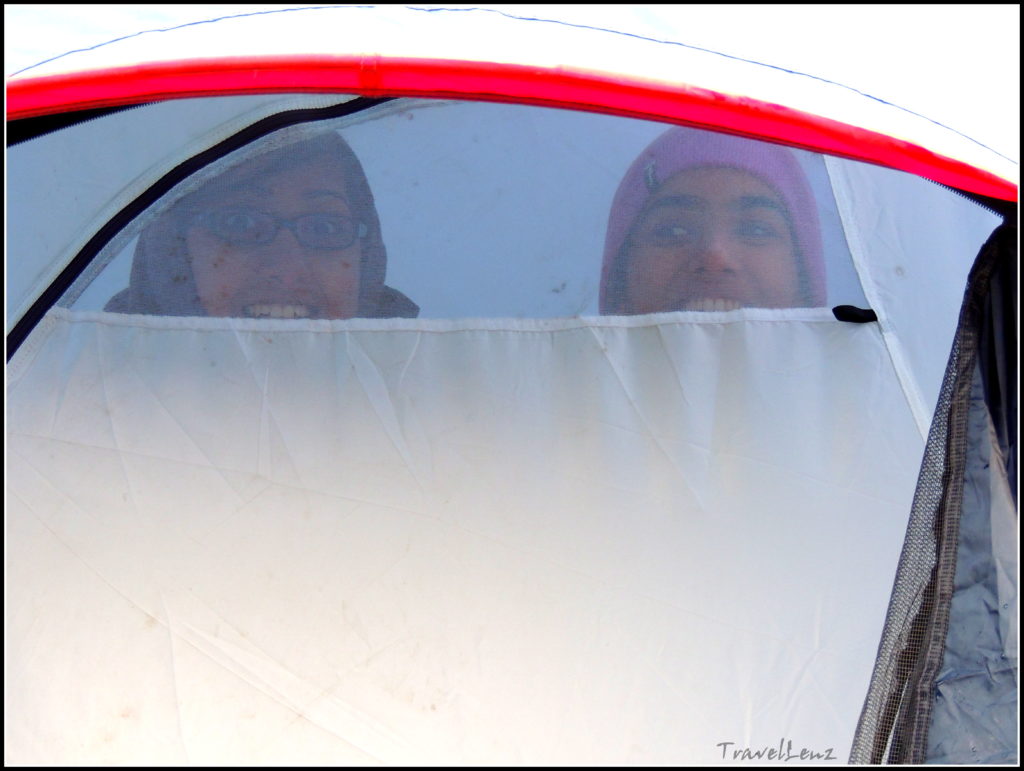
484	81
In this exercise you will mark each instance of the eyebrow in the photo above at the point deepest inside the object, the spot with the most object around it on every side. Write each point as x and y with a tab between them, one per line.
742	203
683	201
760	202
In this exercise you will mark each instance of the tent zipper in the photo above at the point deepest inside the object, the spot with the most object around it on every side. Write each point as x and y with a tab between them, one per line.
26	129
1006	210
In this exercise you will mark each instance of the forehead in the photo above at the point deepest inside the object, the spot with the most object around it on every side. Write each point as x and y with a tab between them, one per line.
305	177
712	186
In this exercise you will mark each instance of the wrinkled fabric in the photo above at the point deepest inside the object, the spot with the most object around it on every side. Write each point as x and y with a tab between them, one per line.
249	541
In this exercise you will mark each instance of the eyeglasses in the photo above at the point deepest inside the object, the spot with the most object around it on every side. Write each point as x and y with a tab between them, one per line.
248	227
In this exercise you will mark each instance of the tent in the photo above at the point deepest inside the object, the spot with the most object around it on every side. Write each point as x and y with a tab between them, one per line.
486	513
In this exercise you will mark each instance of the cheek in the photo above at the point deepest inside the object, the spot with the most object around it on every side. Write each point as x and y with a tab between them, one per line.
664	262
777	274
216	271
648	266
340	281
210	258
777	264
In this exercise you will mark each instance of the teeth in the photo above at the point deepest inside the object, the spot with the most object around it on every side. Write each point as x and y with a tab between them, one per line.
712	304
276	311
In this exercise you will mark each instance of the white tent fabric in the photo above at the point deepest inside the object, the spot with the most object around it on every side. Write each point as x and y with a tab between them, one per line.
611	542
508	531
910	241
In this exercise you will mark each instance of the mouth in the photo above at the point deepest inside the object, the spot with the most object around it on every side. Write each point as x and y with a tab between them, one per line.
711	304
279	311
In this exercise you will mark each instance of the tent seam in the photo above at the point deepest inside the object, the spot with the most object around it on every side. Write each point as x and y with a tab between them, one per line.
906	379
447	325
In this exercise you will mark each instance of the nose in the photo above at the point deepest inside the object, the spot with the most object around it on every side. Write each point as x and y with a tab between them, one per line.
283	255
717	252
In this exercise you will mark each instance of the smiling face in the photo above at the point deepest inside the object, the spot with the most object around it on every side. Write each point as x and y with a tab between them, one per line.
303	260
712	239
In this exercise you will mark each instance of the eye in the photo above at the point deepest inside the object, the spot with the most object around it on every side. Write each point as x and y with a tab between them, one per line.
324	225
666	234
239	226
327	231
235	222
673	231
757	230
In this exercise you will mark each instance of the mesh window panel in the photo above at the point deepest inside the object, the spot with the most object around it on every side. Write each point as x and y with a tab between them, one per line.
445	210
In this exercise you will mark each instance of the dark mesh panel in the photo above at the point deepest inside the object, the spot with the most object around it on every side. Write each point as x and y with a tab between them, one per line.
894	722
998	364
975	712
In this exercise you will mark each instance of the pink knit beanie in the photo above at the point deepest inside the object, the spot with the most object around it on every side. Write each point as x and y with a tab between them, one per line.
679	149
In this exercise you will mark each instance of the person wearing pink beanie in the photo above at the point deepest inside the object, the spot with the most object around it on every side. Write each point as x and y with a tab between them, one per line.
705	221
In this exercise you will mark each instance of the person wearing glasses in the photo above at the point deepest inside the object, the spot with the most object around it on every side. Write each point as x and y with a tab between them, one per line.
712	222
292	233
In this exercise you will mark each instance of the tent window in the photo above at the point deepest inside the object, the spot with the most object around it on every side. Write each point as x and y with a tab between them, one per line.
467	210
